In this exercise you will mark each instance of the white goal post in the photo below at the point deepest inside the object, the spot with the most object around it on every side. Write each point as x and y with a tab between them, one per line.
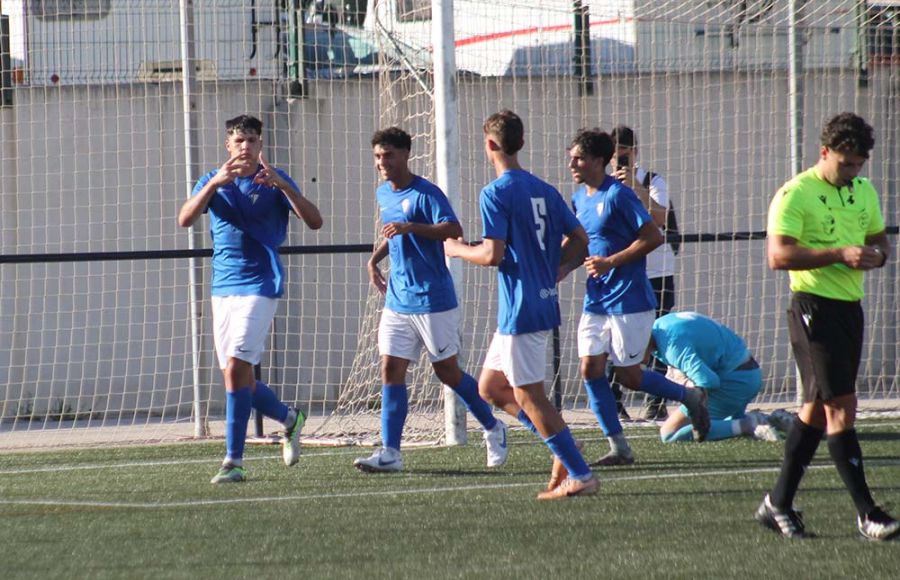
726	97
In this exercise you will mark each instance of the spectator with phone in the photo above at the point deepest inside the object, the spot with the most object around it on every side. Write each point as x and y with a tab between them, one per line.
653	192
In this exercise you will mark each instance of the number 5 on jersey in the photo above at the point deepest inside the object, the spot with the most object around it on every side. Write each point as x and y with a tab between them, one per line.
539	208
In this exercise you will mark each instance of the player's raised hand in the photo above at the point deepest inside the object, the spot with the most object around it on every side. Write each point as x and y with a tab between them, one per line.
268	176
229	170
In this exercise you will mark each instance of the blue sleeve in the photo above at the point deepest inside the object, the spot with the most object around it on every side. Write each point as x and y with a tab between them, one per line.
570	222
200	184
493	216
438	207
691	365
630	208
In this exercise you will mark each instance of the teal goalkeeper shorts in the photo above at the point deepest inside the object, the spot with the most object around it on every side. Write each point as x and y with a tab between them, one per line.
735	391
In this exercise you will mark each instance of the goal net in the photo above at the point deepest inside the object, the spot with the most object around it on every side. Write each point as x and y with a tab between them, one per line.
104	310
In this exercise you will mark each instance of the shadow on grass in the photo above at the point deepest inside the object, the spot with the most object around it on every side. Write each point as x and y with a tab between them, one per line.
878	435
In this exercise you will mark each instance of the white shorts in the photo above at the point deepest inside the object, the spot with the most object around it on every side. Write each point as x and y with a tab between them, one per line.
521	357
240	327
403	335
623	336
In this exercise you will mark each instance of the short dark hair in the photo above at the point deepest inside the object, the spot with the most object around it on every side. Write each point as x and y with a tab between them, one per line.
595	143
243	124
508	129
623	136
848	133
393	136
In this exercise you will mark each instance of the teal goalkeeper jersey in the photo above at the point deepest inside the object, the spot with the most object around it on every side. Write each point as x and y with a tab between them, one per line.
698	346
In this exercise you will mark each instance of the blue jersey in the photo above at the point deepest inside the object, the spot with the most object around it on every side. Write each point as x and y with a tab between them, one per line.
612	217
531	217
419	281
698	346
248	222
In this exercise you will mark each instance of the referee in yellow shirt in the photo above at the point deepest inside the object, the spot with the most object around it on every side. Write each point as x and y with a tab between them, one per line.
826	228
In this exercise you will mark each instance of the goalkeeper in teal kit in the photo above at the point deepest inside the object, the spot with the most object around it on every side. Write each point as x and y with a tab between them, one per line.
706	354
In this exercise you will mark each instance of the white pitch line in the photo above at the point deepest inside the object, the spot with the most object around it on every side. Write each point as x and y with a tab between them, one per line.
397	492
96	466
348	451
211	461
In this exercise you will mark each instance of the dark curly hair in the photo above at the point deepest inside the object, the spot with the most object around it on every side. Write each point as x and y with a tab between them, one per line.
243	124
848	133
393	136
595	143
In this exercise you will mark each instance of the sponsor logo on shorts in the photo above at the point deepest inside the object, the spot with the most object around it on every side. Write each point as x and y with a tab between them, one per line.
549	292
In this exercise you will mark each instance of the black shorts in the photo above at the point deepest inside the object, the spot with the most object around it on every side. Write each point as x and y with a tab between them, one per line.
826	336
664	288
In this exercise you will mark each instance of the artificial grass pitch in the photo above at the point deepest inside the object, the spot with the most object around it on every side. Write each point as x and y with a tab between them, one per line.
683	510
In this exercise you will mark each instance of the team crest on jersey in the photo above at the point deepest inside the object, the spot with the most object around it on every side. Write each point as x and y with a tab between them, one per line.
254	197
828	224
405	205
600	209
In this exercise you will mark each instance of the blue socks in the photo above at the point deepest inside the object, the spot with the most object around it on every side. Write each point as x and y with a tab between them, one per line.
656	384
237	415
603	404
394	406
525	420
563	446
467	389
267	402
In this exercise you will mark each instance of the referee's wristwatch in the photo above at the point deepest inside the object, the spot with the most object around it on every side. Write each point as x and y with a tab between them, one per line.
883	256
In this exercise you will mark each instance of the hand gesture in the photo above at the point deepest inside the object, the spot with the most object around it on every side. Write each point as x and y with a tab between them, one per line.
228	171
268	176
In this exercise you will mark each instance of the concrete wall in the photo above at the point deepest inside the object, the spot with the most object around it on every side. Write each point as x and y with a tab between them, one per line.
101	169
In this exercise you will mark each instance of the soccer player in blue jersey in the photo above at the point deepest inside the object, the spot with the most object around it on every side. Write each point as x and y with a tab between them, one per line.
528	229
249	203
420	300
712	357
619	304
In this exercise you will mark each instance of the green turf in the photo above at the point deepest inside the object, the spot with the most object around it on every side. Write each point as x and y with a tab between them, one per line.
681	511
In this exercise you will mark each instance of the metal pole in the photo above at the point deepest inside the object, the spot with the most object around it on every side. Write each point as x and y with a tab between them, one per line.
192	173
795	83
447	168
795	95
582	57
862	44
296	66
